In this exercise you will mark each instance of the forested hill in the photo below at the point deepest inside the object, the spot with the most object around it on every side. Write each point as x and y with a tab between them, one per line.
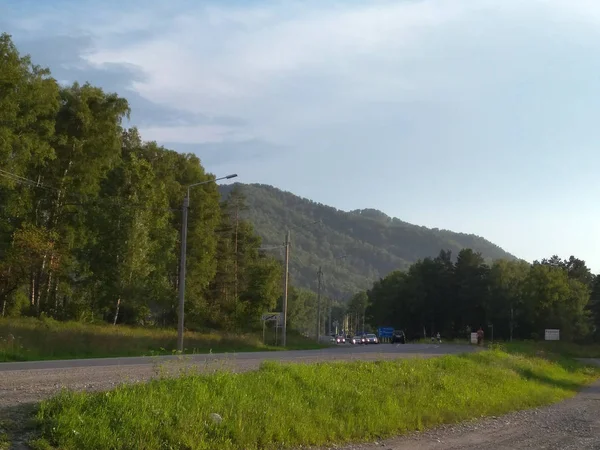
374	244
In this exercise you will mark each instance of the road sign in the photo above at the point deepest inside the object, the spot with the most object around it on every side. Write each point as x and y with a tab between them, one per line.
385	332
552	335
473	338
273	317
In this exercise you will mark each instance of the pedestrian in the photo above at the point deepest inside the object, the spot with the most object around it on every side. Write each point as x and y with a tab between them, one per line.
480	336
439	337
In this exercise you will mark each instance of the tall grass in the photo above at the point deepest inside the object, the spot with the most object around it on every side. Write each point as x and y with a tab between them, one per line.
30	339
553	348
290	405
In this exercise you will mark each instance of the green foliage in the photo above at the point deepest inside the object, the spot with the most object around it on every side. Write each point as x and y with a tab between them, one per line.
373	243
284	406
517	299
91	216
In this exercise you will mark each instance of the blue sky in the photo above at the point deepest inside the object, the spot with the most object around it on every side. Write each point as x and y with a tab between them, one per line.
478	116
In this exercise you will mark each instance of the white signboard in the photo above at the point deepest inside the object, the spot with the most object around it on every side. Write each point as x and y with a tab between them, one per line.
473	338
273	317
552	335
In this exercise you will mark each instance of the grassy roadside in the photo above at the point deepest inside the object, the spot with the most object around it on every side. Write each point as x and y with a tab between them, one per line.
31	339
290	405
552	349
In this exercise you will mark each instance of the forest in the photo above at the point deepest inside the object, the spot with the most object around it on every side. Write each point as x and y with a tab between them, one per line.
90	216
509	299
353	248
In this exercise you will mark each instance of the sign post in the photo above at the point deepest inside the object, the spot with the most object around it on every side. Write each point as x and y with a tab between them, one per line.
385	332
473	338
276	317
552	335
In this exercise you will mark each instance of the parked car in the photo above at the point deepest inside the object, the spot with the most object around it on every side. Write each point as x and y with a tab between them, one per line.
398	337
340	339
371	339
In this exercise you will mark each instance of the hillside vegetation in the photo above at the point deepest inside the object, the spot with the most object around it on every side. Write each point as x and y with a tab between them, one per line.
374	244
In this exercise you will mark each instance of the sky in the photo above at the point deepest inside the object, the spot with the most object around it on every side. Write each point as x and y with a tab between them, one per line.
478	116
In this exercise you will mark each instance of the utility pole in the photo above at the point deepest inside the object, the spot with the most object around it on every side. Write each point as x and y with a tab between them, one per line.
330	308
184	219
182	260
285	287
319	278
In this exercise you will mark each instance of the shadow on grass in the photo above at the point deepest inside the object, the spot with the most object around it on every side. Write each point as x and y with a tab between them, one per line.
568	365
562	384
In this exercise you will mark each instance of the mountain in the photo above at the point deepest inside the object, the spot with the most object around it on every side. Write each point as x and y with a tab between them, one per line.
354	248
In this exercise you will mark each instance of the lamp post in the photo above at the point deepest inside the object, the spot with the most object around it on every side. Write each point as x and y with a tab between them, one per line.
184	218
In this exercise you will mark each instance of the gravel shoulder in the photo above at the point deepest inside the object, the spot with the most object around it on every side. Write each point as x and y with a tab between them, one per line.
569	425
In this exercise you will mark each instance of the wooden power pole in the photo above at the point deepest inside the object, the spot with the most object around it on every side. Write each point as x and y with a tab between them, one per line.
319	281
285	288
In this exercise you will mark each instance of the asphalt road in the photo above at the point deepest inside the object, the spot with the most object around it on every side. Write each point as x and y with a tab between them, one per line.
26	382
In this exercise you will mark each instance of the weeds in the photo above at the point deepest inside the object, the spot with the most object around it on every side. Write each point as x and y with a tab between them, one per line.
29	339
290	405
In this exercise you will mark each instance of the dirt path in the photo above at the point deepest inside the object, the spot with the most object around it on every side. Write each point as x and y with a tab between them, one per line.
569	425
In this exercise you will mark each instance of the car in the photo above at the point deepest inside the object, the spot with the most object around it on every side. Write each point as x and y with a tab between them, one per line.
398	337
355	340
371	339
340	339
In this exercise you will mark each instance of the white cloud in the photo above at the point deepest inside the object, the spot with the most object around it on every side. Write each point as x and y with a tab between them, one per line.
283	65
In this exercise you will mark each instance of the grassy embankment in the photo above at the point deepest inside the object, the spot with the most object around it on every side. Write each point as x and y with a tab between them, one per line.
290	405
535	348
32	339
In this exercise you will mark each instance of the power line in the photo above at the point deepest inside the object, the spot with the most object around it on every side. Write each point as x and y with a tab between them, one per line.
27	181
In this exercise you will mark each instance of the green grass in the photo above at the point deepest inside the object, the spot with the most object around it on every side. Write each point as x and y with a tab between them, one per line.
296	404
553	349
30	339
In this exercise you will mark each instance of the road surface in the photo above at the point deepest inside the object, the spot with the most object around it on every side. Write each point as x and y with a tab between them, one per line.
26	382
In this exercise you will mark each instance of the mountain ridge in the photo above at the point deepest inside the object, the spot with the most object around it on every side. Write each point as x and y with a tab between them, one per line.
355	247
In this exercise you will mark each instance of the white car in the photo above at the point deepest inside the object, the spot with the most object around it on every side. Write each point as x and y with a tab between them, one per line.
371	339
356	340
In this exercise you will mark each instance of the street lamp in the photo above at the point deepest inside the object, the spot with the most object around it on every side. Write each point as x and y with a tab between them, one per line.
186	205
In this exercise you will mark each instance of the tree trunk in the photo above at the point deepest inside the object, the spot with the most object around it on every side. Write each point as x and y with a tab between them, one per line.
4	308
32	290
38	282
117	311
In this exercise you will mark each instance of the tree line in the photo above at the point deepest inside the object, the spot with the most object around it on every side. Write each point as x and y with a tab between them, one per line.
515	298
90	215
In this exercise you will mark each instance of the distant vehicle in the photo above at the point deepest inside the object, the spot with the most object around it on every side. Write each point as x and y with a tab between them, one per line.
398	337
371	339
355	340
340	339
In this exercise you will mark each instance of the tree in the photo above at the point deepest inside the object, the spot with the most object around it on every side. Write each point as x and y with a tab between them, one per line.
552	300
